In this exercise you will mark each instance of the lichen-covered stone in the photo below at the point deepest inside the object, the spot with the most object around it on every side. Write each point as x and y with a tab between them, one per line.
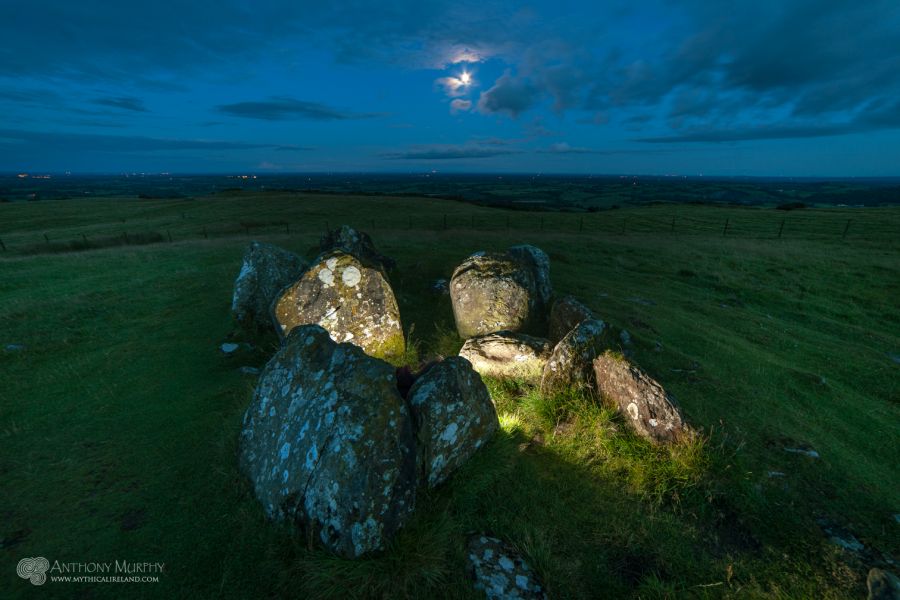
349	298
651	411
328	443
567	312
508	355
454	417
358	243
500	571
492	292
883	585
569	366
539	262
265	271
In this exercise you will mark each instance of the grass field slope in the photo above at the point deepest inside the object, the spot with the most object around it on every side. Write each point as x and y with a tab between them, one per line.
778	332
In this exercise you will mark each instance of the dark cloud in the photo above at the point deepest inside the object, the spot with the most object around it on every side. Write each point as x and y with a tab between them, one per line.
78	142
283	109
123	102
447	152
565	148
509	95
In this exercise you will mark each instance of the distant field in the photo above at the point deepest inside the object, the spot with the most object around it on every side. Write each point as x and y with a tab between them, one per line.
775	330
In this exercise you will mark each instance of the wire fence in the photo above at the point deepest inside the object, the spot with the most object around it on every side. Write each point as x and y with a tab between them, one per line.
758	225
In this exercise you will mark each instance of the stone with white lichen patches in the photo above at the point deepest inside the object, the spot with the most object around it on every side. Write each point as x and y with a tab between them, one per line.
348	297
265	271
569	366
500	572
454	417
539	262
508	355
328	443
494	292
649	409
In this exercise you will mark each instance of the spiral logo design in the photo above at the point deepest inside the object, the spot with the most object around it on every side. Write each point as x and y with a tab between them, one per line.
33	569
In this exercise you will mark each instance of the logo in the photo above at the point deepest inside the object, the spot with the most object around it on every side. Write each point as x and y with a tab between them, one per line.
33	569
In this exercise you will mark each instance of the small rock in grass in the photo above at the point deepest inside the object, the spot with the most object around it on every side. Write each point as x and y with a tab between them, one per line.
500	572
508	355
15	347
440	287
894	357
229	347
625	337
805	451
883	585
249	370
774	474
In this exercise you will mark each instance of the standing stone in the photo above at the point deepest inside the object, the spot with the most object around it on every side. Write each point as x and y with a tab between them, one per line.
539	262
328	442
500	571
652	412
266	270
883	585
454	417
508	355
350	299
358	243
492	292
567	312
570	363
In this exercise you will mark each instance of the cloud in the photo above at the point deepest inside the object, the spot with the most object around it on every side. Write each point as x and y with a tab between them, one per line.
509	95
291	148
80	142
565	148
449	152
123	102
458	105
282	109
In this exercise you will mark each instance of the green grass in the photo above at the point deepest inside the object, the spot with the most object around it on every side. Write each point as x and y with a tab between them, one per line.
119	420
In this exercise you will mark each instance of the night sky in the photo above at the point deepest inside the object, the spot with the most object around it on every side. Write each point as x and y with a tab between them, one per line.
671	87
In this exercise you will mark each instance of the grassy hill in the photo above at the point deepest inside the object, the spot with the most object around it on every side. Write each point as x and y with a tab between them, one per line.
119	416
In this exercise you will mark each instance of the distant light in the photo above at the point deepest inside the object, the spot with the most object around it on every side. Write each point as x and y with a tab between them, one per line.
465	78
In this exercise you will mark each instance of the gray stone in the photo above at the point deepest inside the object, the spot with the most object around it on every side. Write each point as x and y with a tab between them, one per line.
625	337
15	347
804	451
508	355
569	365
567	312
440	287
883	585
358	243
493	292
265	271
328	443
229	348
349	298
500	572
454	417
539	262
249	370
649	409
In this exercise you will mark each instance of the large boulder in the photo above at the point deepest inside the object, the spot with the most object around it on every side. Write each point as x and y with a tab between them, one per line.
454	417
328	442
265	271
652	412
501	572
508	355
539	262
358	243
351	299
569	365
493	292
567	312
883	585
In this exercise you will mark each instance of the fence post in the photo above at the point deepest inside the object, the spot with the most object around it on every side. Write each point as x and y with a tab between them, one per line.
2	245
125	235
725	230
581	225
205	235
542	223
169	234
624	223
672	228
46	239
287	228
247	230
473	221
780	229
84	238
409	224
445	222
846	228
507	222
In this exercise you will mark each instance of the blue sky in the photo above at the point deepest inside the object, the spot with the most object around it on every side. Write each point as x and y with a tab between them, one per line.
790	87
